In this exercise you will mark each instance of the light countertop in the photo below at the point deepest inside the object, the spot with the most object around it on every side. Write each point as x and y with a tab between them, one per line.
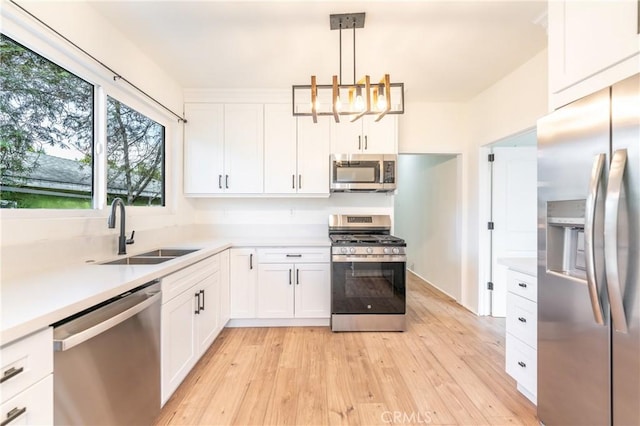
33	302
526	265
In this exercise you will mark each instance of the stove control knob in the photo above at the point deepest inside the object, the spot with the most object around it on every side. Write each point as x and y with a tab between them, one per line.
396	250
387	250
369	250
343	250
352	250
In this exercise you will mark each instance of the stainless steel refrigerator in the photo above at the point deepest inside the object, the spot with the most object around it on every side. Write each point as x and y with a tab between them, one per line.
588	260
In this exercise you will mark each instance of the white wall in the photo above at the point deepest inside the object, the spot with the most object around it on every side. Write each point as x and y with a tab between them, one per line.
62	234
427	217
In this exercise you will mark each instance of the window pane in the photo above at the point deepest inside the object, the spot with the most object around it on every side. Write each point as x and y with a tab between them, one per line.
46	132
135	156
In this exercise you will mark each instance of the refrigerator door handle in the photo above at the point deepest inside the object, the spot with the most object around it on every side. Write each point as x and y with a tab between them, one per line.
589	237
611	210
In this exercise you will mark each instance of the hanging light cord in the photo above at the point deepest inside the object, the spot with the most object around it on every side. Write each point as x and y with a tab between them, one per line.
116	76
354	51
340	40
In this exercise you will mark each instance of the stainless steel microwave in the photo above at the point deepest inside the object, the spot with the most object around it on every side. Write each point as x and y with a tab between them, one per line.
363	172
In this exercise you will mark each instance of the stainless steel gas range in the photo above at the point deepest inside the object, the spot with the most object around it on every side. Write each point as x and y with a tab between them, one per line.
368	273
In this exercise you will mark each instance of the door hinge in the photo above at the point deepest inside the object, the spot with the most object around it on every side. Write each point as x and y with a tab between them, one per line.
489	285
491	158
490	226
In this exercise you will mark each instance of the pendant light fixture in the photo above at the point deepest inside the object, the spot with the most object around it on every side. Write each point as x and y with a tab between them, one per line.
353	100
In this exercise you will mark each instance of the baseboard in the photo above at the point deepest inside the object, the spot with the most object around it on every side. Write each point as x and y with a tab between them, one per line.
279	322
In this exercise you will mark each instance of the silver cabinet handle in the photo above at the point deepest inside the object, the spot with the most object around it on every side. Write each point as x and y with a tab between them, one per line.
611	211
219	181
522	319
299	181
297	276
226	181
290	277
12	372
293	181
12	415
197	296
589	237
522	364
365	142
293	255
359	142
251	261
202	307
523	285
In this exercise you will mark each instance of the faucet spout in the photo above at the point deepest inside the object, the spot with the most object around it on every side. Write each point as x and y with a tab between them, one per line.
111	222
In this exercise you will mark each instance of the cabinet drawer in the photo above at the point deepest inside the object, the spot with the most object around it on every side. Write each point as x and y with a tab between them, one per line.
293	255
25	362
523	285
522	319
176	283
521	363
33	406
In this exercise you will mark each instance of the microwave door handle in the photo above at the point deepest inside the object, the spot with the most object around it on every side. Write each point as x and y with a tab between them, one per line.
611	211
589	237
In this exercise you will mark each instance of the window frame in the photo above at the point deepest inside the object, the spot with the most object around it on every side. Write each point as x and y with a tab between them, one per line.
37	38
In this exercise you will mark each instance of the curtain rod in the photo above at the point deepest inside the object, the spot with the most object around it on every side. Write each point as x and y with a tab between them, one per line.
116	75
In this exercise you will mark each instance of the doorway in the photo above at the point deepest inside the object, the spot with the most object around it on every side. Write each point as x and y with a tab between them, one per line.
510	197
427	216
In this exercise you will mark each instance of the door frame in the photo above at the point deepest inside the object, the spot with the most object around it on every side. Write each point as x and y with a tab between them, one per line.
484	216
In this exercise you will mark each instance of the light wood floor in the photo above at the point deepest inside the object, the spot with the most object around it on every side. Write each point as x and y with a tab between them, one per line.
447	369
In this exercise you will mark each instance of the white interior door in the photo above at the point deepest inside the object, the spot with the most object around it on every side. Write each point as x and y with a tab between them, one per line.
514	208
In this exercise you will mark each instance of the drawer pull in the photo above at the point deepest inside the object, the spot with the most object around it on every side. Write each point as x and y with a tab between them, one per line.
294	255
13	414
522	364
11	373
522	319
523	285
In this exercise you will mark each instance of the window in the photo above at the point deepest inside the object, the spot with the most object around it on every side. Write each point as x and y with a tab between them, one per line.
46	132
47	122
135	156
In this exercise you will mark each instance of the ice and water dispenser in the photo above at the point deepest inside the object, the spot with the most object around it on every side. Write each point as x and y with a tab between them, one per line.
565	238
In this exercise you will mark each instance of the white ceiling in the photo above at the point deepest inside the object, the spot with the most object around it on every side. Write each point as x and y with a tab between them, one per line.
441	50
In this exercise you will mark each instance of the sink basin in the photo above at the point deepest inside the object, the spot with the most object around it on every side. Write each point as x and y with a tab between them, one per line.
151	257
139	260
167	252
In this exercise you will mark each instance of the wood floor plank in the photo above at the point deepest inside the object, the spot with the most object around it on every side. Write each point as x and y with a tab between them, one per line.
446	369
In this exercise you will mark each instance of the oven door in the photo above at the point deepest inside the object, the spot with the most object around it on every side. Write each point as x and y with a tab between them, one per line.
368	287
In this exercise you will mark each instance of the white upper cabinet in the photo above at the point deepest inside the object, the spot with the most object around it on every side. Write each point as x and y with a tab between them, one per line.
592	44
223	149
243	148
365	136
204	148
296	156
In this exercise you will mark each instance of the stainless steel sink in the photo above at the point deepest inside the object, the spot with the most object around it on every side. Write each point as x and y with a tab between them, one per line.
167	252
139	260
151	257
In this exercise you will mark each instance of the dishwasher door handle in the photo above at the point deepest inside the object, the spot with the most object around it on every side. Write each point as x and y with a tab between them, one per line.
109	322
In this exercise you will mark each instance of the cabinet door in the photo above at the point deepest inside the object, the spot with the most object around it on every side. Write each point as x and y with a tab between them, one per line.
243	283
177	341
203	148
243	148
275	290
312	290
207	312
280	174
587	37
225	297
313	156
379	137
346	137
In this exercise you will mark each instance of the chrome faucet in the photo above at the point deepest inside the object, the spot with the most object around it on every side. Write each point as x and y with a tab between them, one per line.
111	222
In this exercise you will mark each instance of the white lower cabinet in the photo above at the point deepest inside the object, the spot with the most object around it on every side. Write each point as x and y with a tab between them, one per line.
522	332
26	389
244	277
191	318
299	289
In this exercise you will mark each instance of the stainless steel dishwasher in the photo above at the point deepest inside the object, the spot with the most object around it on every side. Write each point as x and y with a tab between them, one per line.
107	362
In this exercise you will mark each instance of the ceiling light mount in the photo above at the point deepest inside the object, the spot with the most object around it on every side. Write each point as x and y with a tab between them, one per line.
364	96
346	21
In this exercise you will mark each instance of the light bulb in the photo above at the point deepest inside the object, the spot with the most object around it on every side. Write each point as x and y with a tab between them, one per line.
359	105
317	104
338	104
382	102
